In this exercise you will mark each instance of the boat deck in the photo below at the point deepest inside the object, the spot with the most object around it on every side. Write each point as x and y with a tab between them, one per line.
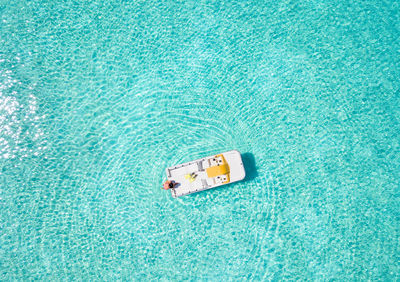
202	181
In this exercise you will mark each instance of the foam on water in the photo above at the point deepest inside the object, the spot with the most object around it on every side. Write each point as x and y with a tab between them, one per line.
97	98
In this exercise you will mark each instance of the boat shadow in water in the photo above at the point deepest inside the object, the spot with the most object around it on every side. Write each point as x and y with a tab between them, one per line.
249	163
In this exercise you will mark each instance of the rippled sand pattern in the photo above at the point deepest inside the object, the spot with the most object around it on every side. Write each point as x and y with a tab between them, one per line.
96	99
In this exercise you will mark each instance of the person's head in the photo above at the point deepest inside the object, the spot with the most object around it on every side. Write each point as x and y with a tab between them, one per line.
166	185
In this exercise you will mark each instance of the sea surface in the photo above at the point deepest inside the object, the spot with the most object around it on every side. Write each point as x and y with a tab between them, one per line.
97	98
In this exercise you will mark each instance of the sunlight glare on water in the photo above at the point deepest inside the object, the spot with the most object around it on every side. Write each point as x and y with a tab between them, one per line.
97	98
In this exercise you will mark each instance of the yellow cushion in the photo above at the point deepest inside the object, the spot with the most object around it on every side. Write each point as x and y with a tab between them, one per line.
215	171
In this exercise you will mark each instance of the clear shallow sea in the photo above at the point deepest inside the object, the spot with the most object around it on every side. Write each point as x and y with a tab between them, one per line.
96	99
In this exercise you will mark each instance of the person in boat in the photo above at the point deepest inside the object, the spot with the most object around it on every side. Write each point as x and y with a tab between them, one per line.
169	184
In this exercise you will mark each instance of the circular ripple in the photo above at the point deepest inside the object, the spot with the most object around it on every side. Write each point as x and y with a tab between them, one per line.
97	99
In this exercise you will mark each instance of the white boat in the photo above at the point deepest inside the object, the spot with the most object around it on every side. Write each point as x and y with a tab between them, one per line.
206	173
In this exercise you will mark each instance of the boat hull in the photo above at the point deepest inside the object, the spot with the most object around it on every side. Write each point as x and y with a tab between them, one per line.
206	173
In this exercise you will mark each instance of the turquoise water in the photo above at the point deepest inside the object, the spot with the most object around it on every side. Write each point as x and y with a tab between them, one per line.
96	99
